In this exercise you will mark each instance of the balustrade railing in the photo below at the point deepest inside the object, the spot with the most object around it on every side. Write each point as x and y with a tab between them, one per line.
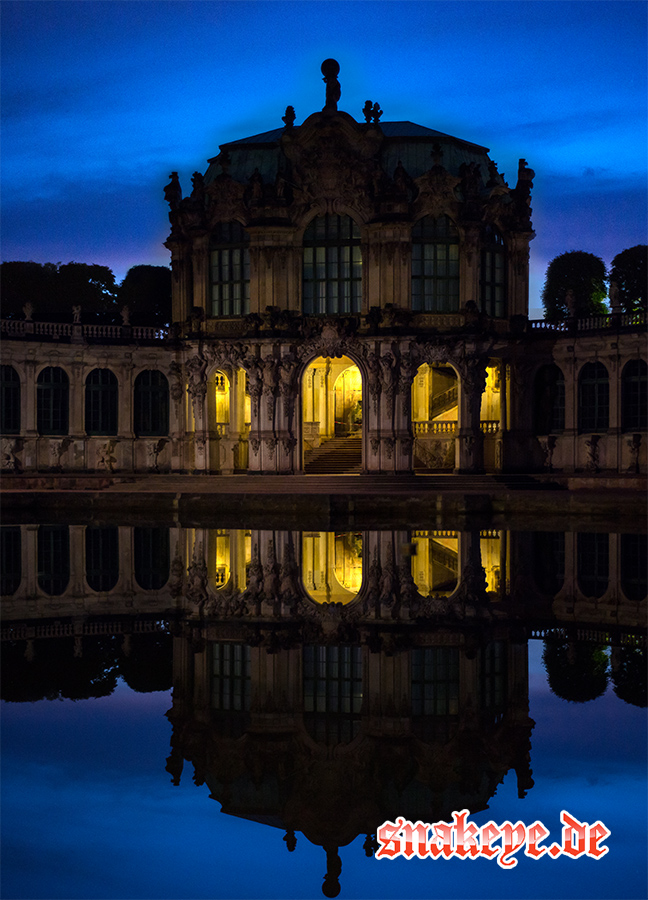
58	330
422	428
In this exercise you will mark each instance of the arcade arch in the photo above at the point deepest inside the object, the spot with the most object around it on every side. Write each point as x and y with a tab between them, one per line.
332	415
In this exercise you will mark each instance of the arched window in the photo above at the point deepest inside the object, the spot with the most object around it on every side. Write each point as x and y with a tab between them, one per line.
634	396
492	276
229	260
593	398
435	265
151	557
53	558
102	557
10	559
52	401
332	273
593	568
549	560
549	400
101	402
151	406
634	566
9	400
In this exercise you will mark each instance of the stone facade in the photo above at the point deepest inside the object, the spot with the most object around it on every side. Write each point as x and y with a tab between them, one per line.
387	251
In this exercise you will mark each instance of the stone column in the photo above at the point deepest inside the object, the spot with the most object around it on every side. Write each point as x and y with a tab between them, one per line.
181	279
200	260
28	389
470	438
612	458
196	370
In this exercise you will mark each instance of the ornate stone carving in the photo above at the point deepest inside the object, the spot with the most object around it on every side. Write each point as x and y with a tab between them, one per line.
106	458
9	461
592	445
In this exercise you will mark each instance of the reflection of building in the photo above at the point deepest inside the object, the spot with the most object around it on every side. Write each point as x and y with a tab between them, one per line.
361	285
324	682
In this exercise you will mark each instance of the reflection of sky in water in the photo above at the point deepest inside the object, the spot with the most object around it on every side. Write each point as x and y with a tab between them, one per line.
88	811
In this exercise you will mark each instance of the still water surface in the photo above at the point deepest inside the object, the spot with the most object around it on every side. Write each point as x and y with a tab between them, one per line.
297	687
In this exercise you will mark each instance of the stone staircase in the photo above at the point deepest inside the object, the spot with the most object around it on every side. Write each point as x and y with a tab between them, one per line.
340	455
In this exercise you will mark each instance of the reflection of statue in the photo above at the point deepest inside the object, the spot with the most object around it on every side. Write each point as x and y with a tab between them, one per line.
330	70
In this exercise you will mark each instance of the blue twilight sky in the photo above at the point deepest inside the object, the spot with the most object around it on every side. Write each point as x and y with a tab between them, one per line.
89	812
101	100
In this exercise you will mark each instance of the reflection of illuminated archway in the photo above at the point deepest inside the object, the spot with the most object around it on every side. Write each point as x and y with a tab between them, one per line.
228	557
332	565
435	564
332	415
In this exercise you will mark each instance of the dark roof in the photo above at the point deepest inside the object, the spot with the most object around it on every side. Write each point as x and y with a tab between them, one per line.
389	129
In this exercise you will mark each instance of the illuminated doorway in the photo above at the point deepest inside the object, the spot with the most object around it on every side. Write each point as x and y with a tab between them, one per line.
332	416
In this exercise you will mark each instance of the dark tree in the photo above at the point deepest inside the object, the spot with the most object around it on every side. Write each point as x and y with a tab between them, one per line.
576	672
91	287
27	282
149	665
629	675
583	274
146	290
53	290
630	274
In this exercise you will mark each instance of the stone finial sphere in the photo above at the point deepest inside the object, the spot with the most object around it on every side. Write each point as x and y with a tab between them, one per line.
330	68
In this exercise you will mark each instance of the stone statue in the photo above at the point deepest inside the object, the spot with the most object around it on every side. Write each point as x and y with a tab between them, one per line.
376	113
330	70
173	191
367	111
125	315
570	303
615	303
76	314
289	118
28	311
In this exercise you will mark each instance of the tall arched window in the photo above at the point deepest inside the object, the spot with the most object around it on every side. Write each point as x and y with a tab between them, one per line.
549	400
102	557
634	396
634	566
10	559
151	404
229	260
53	558
332	273
435	265
52	401
101	402
593	398
593	565
151	557
9	400
492	276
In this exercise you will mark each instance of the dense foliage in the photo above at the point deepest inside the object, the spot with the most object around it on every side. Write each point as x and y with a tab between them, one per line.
53	290
630	275
581	273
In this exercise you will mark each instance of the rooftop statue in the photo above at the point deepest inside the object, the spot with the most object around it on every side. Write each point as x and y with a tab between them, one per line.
330	70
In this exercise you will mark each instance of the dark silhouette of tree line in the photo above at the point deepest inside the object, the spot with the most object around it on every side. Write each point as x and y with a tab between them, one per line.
575	284
53	289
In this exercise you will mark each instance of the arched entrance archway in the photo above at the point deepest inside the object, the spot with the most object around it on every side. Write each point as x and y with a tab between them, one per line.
332	416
